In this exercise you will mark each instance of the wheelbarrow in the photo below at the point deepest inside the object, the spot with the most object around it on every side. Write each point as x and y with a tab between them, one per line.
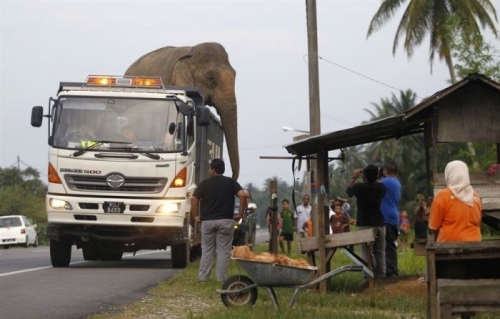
240	290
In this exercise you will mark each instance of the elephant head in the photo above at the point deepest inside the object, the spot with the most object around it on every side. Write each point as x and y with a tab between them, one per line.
205	66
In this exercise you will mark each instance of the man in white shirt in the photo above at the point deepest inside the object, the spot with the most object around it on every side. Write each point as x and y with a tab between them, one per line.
303	215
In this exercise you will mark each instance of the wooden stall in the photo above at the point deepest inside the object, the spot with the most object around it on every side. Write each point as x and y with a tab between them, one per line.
463	278
467	111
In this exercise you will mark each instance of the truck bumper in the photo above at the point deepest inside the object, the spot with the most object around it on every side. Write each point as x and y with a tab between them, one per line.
129	238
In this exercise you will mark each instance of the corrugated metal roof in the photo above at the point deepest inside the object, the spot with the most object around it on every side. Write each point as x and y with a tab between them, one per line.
407	123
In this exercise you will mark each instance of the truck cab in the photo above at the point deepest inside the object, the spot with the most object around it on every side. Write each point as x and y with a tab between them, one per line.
125	155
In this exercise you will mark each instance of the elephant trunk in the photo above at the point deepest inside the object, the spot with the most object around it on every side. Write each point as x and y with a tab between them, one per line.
229	121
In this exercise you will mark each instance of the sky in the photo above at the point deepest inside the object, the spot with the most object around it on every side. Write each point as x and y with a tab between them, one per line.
44	42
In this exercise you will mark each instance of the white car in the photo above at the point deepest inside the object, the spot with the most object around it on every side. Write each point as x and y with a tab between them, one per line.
17	230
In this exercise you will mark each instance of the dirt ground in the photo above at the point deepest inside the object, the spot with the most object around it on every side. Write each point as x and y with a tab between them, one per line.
412	287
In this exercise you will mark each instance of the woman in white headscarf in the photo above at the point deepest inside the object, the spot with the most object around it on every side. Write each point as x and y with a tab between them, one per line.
456	210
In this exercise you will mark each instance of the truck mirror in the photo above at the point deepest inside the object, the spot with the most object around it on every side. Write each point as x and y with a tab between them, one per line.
203	116
36	116
184	108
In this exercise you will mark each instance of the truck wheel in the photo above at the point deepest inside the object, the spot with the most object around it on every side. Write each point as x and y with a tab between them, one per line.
90	253
179	255
60	253
239	241
238	283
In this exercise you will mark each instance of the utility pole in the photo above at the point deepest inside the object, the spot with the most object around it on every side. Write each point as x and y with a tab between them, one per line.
315	129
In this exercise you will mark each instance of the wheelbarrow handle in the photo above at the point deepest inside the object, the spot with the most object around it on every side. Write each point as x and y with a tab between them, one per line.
331	274
323	277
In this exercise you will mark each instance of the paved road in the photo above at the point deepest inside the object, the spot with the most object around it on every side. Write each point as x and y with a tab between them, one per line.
31	288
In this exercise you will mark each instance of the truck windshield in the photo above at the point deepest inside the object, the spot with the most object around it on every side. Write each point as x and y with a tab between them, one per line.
139	125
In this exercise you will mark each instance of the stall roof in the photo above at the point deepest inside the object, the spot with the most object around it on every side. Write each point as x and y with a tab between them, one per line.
410	122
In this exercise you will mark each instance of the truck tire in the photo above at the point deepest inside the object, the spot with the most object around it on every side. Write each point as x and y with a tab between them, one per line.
179	255
60	253
240	241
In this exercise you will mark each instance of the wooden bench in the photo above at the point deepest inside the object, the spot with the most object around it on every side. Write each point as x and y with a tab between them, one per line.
463	277
333	242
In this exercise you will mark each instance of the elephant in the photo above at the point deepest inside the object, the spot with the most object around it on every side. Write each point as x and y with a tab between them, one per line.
205	66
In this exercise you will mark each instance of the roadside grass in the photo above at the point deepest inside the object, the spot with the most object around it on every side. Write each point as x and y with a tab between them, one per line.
182	297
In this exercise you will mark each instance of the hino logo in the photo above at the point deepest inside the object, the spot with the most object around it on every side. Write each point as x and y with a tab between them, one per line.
115	181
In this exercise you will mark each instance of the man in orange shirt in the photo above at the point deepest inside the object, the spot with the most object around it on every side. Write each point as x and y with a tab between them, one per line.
456	210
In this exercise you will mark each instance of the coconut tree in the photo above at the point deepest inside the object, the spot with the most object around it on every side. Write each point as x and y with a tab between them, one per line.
407	152
430	17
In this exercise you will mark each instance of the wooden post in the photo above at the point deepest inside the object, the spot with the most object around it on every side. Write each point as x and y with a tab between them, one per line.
273	241
320	233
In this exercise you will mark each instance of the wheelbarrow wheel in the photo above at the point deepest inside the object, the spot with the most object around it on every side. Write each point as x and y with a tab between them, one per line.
238	283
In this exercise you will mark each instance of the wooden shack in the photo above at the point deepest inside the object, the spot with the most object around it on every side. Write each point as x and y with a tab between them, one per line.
468	111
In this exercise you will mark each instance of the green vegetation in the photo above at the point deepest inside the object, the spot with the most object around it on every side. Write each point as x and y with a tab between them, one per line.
183	297
432	18
23	193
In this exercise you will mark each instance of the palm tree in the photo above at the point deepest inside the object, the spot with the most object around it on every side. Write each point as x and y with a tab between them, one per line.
390	150
407	152
423	17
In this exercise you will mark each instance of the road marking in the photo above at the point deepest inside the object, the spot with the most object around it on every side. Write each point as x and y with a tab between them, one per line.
23	271
35	269
73	263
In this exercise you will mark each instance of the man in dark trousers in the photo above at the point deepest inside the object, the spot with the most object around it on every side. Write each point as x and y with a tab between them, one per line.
217	197
390	211
369	196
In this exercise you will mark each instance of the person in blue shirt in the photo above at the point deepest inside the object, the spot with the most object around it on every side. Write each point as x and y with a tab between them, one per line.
390	211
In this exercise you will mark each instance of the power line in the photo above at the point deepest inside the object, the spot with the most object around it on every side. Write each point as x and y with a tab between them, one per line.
364	76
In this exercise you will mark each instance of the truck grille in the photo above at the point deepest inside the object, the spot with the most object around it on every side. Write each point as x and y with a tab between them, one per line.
131	185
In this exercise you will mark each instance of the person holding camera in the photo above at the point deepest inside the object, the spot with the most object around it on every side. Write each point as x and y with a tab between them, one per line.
369	195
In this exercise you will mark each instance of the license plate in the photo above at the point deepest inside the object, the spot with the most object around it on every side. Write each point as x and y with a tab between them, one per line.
113	207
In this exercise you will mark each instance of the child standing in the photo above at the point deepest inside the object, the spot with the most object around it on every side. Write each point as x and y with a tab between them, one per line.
404	227
339	221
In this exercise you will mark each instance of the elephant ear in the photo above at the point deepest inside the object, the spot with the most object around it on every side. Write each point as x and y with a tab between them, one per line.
182	75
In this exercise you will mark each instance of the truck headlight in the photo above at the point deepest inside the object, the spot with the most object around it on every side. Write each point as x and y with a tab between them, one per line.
168	208
60	204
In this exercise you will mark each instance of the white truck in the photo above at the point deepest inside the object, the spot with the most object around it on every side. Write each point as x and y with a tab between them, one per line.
125	156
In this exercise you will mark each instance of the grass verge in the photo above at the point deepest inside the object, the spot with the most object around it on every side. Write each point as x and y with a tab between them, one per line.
182	297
